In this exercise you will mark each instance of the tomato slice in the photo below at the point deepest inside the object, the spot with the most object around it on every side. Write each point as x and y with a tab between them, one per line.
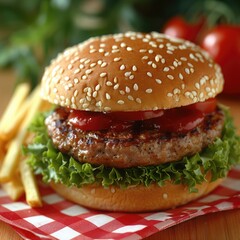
205	107
135	116
174	120
89	121
178	120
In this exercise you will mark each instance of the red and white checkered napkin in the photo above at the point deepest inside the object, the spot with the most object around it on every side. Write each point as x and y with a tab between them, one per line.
61	219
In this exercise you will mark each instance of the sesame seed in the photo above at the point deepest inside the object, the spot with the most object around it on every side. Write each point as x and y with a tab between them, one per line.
97	87
82	60
123	44
85	105
122	92
122	67
99	62
157	58
127	89
94	94
134	68
183	59
115	80
104	64
163	60
166	69
92	51
149	90
194	93
101	50
76	71
81	66
70	66
107	109
180	76
169	94
115	51
67	78
129	49
99	103
103	74
93	65
127	74
187	70
116	59
130	98
108	83
176	90
144	57
175	64
170	77
87	61
75	93
131	77
149	74
135	86
116	86
158	81
169	52
154	65
114	47
143	50
161	45
202	81
108	97
149	63
84	77
138	100
121	102
88	71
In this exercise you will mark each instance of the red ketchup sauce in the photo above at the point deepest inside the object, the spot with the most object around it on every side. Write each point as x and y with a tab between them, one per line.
180	119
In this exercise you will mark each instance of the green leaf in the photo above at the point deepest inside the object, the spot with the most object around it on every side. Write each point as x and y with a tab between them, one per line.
217	158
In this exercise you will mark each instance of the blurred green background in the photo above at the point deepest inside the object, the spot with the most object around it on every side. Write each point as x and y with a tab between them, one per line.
32	32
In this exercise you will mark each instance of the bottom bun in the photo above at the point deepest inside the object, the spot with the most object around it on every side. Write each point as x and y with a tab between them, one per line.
135	198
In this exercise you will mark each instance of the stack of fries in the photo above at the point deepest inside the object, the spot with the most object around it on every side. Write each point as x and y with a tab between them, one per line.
16	177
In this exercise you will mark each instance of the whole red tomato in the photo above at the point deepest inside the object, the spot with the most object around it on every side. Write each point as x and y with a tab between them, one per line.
179	27
223	45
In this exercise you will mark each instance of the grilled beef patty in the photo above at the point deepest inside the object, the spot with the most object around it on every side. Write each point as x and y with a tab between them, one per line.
131	147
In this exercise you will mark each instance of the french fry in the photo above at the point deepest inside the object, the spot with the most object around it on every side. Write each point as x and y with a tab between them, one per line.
16	101
30	185
2	150
12	128
12	158
14	188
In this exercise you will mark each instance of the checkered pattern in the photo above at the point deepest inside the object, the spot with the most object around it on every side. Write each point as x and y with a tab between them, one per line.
61	219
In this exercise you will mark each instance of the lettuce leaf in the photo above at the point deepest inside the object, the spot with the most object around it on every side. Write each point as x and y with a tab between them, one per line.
53	165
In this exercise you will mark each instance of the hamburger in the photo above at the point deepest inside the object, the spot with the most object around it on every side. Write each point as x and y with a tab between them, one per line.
135	125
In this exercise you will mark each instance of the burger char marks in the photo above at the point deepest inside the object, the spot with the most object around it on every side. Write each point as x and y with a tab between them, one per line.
131	147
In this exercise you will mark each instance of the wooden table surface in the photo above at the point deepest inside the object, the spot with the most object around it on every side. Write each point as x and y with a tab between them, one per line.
221	225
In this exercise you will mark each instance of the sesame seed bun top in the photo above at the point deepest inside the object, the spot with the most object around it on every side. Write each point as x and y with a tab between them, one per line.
131	72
